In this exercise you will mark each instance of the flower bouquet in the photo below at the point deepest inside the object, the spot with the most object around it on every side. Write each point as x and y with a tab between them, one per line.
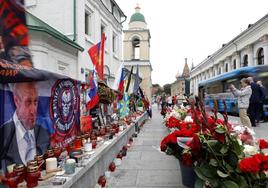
220	155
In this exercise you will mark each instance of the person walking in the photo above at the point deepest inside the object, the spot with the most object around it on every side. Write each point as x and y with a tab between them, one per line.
169	100
263	90
243	96
163	105
254	101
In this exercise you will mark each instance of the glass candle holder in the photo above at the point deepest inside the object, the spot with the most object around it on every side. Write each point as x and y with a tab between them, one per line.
57	151
40	162
78	142
20	170
32	176
32	163
49	153
70	166
94	144
11	180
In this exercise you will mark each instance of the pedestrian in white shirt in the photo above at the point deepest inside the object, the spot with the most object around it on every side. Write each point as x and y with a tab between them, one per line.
243	96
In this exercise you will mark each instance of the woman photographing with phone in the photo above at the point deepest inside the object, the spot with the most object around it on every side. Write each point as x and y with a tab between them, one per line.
243	96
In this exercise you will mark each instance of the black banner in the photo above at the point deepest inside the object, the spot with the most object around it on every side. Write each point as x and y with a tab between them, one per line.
11	73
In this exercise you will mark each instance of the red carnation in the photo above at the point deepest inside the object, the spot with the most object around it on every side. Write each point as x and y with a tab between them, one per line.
172	122
263	144
171	138
261	160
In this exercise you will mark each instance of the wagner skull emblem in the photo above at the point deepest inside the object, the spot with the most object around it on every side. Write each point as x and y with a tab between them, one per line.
66	103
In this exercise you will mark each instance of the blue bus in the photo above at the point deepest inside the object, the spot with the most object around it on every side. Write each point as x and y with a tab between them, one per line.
218	87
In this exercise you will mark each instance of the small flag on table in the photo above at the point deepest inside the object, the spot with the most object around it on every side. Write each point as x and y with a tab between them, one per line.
92	98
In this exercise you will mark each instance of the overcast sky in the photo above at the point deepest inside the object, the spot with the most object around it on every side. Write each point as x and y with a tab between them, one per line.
191	28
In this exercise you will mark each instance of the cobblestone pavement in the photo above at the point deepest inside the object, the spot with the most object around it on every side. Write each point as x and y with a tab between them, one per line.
145	166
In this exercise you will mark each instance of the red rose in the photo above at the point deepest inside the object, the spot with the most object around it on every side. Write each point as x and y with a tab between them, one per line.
263	144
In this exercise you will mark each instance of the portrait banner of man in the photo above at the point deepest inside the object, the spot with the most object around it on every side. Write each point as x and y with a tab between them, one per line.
32	113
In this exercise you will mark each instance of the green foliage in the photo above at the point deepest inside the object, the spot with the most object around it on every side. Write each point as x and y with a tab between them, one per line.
167	88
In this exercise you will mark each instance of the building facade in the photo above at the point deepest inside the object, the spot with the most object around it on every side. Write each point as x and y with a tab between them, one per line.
136	46
181	85
250	48
83	22
50	49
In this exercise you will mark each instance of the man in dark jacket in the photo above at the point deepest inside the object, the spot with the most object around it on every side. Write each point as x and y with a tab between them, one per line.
21	137
254	102
261	114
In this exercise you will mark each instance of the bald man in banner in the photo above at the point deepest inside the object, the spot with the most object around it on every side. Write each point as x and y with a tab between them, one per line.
21	137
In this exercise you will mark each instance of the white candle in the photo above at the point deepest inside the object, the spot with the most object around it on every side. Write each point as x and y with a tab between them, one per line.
10	168
88	147
121	128
70	161
51	164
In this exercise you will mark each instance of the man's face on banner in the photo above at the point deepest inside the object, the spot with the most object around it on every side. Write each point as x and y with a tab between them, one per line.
26	100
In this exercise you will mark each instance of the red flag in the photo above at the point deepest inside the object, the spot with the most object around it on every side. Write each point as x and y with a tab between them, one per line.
96	53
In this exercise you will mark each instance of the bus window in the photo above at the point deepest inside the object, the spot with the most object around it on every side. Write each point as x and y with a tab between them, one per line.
227	83
264	79
214	88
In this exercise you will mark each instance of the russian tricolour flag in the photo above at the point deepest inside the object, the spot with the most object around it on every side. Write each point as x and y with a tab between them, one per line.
119	81
92	95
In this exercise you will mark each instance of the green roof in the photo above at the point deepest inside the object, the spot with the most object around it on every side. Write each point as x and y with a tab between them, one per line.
35	24
137	17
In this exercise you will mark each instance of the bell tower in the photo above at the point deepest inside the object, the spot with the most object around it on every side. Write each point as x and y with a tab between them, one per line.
136	49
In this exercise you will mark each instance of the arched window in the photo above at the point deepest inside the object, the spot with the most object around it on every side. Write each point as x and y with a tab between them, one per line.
107	74
136	48
226	67
245	61
234	64
260	57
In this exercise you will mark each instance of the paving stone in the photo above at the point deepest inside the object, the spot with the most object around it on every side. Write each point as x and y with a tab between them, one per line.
124	178
162	178
156	155
150	142
149	165
133	155
144	148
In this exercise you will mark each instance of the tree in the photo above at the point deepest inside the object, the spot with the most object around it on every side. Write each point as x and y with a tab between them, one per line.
157	89
167	88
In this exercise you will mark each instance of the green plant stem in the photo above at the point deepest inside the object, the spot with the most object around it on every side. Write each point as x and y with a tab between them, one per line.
248	180
213	153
